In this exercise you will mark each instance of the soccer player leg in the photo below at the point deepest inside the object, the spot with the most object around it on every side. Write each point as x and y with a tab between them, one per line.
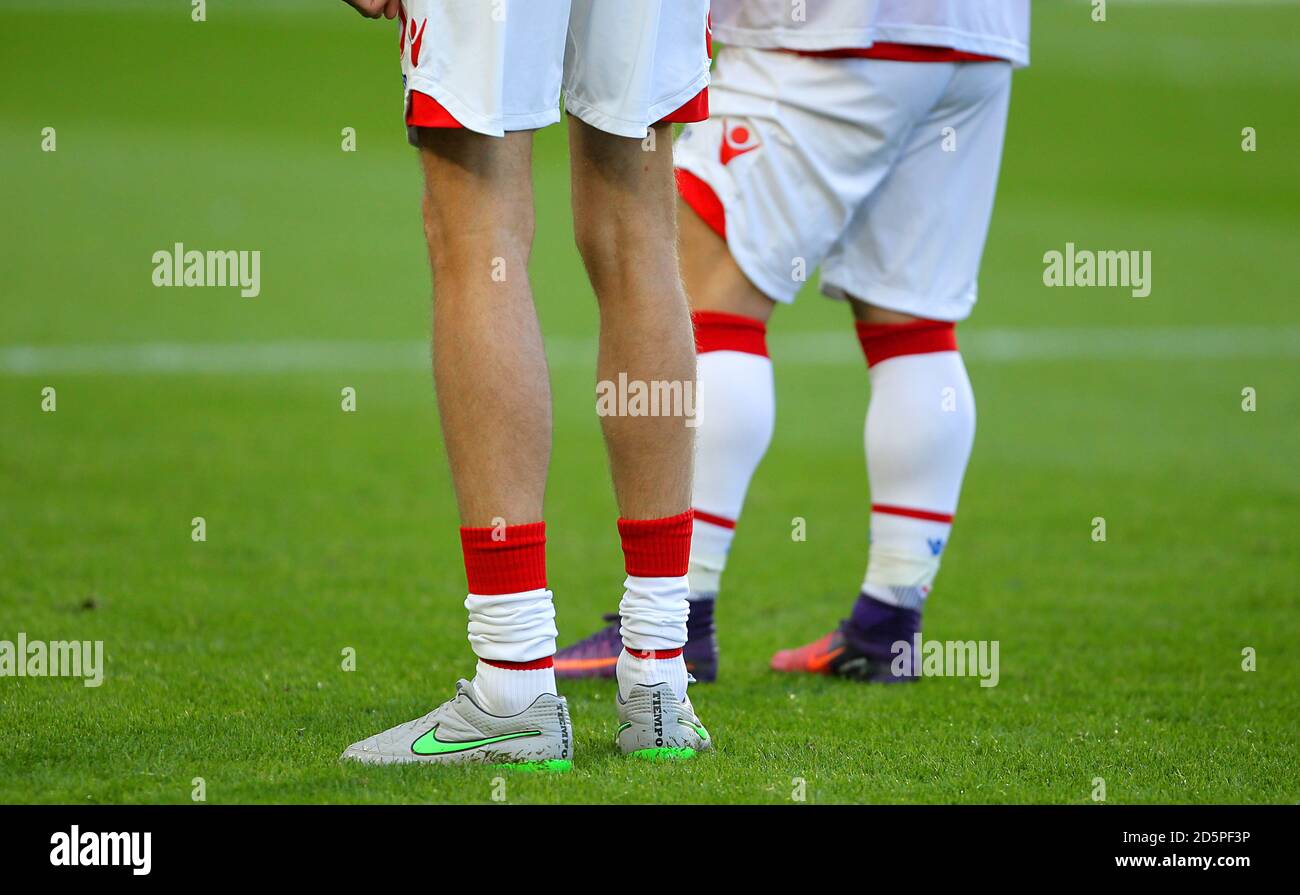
735	177
626	69
494	402
730	272
911	262
621	84
918	436
919	431
736	386
768	185
623	218
730	320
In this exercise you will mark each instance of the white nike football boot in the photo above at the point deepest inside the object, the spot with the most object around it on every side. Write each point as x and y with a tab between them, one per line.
458	731
654	725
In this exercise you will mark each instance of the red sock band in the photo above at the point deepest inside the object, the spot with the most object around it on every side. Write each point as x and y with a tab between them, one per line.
715	331
911	513
654	653
881	341
506	560
548	662
720	521
657	548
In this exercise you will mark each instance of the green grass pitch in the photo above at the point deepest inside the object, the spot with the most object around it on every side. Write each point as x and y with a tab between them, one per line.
329	530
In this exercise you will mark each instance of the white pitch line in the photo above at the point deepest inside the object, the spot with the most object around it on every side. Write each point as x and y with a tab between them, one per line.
803	349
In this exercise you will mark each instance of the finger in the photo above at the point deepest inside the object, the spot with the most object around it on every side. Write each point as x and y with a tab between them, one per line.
390	11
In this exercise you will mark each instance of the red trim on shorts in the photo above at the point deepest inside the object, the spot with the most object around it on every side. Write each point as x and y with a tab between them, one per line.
720	521
716	331
697	107
703	201
657	548
654	653
534	665
428	112
507	560
893	52
694	109
881	341
911	513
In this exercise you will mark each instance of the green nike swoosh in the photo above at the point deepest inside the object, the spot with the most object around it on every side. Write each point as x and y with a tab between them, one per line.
429	744
704	734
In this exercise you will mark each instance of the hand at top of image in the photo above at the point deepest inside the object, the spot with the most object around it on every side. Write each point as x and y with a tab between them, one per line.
373	9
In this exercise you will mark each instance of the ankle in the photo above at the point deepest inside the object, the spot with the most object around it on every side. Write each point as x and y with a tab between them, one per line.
507	688
650	667
877	622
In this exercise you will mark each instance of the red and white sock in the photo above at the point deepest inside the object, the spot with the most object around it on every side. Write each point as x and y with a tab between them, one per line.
507	688
511	615
737	414
919	432
653	609
652	667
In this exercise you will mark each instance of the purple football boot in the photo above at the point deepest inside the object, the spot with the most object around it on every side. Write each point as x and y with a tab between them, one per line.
861	648
597	655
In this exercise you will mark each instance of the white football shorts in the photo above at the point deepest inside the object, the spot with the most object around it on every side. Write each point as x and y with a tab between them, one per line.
882	173
499	65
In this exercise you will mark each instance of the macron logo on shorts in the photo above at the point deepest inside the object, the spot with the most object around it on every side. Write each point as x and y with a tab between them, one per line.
736	141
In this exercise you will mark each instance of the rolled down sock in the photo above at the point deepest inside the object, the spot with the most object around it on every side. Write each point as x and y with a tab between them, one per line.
511	615
654	607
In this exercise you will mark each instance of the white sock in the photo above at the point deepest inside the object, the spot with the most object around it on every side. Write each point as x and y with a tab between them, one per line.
919	432
653	613
737	401
710	543
514	628
904	558
646	668
508	691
